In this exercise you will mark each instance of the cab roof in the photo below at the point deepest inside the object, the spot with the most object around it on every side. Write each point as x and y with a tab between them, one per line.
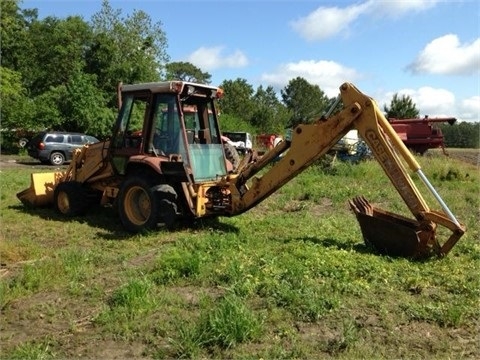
171	87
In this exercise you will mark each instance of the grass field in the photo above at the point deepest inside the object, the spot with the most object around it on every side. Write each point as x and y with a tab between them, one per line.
290	279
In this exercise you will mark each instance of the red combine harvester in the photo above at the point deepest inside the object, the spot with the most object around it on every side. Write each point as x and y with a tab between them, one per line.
421	134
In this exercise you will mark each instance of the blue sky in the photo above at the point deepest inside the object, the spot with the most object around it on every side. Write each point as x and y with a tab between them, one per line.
427	49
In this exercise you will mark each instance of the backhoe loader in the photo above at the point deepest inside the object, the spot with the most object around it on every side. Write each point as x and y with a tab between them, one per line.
166	162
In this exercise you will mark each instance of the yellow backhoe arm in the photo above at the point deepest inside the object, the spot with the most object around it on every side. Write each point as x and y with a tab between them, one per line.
309	142
387	232
387	148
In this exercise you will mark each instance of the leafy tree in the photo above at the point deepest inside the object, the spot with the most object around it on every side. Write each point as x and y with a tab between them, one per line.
401	108
130	49
186	71
84	107
336	109
14	26
15	109
237	99
56	52
13	97
76	106
305	101
55	62
270	115
64	72
48	108
233	123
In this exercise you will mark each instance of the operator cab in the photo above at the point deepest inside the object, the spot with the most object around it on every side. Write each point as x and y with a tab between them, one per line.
170	120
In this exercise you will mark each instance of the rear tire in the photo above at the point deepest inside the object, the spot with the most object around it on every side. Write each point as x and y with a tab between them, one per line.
231	154
167	213
167	206
137	205
57	158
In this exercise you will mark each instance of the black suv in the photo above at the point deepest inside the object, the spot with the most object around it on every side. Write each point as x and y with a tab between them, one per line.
57	147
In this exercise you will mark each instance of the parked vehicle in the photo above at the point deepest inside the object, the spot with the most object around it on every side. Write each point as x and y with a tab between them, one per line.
266	142
421	134
242	141
55	148
351	148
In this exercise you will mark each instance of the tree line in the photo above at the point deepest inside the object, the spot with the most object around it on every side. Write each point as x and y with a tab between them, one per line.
463	135
62	74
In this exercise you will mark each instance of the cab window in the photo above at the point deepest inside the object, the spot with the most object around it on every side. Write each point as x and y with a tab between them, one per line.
131	120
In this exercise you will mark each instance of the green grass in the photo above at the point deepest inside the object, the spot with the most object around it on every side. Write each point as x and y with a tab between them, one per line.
289	279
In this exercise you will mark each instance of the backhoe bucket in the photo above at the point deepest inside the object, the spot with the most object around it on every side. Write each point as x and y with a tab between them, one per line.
392	234
42	187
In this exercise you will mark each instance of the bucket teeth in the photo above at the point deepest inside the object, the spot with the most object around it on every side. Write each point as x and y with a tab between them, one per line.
360	205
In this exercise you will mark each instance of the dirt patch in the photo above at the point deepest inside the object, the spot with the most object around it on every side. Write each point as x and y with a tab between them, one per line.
470	156
16	161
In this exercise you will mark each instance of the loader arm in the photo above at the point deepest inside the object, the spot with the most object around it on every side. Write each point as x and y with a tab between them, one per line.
387	232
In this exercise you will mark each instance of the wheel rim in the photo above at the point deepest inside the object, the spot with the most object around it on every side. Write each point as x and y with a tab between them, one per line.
57	159
63	202
137	205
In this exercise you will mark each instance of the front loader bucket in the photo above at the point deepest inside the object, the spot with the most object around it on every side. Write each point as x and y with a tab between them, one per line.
40	192
392	234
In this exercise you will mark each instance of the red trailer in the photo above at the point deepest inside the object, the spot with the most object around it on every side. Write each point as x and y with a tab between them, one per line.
421	134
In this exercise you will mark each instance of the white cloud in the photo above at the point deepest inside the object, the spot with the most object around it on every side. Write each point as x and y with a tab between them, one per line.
326	22
446	55
469	109
328	75
430	101
395	9
434	102
214	58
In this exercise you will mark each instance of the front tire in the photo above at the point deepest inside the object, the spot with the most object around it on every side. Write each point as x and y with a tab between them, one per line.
71	198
